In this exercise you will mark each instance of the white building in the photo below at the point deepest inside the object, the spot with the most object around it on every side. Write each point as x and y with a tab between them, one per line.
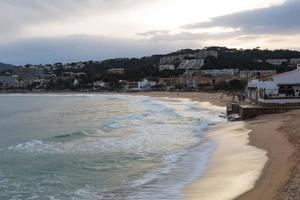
146	84
220	72
280	89
166	67
195	64
276	61
295	61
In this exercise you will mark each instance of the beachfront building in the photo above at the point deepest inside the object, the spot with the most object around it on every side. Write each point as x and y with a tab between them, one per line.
279	89
138	86
256	74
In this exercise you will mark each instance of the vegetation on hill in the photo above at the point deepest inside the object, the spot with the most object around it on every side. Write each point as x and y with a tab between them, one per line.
138	68
4	67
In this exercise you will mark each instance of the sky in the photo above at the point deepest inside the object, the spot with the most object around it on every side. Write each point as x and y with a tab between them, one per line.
49	31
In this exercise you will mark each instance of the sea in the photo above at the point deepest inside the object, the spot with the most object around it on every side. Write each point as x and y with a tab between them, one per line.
94	146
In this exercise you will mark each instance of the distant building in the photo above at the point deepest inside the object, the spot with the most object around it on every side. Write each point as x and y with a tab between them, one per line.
206	53
256	74
203	54
220	72
165	82
195	64
171	59
8	82
142	85
120	71
276	61
166	67
295	61
29	75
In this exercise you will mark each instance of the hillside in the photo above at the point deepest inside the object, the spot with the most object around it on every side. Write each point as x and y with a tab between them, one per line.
4	67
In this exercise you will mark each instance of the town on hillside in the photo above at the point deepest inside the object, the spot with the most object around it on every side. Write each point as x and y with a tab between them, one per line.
209	69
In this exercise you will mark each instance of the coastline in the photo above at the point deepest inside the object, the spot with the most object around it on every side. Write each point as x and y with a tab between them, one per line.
264	133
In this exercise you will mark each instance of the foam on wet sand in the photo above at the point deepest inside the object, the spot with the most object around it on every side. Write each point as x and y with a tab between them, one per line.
234	168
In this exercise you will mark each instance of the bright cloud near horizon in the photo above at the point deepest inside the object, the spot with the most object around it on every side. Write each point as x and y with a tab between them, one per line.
47	31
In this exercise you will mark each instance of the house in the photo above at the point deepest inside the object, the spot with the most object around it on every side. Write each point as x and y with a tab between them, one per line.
119	71
136	86
277	62
166	67
144	85
279	89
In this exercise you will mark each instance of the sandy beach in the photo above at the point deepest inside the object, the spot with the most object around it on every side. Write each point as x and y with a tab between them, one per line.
257	159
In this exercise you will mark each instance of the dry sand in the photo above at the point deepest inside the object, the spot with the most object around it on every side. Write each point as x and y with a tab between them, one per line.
278	135
267	133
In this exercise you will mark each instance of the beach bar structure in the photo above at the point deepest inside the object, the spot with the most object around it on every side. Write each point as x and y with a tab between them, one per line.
277	94
278	90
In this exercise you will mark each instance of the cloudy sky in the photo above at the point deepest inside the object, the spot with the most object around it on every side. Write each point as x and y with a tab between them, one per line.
48	31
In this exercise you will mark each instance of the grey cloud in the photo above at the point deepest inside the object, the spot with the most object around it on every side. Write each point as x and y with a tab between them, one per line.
185	36
17	14
154	33
279	19
78	48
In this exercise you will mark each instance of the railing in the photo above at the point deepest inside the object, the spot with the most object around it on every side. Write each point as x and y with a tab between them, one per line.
279	94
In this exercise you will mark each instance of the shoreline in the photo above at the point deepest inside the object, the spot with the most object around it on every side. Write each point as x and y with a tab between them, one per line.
266	133
234	167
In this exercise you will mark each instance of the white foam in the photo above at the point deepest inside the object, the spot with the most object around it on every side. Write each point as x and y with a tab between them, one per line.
167	130
87	193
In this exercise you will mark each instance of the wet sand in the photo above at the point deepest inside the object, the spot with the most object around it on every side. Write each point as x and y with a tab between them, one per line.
213	98
234	167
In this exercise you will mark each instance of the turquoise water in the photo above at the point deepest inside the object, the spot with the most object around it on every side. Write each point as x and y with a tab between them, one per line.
101	146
